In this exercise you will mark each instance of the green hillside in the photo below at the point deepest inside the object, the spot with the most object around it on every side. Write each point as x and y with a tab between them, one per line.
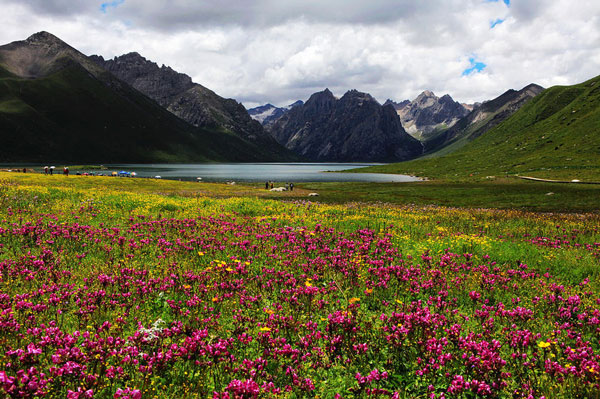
70	115
554	135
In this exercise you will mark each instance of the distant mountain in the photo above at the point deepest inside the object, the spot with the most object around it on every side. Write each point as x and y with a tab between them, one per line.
267	114
552	135
483	118
397	106
353	128
428	113
58	105
190	101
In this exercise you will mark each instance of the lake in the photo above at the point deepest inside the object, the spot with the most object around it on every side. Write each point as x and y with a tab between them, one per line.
249	172
260	172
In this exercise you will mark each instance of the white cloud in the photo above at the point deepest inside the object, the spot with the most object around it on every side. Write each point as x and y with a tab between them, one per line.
273	51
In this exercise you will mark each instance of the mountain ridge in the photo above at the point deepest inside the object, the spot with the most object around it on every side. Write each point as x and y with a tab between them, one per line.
58	105
553	135
353	128
267	114
483	118
428	113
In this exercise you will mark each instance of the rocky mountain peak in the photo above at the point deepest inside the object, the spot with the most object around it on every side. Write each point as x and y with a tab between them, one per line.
295	104
446	99
425	99
42	54
190	101
357	95
354	128
322	99
397	106
268	114
44	37
162	84
427	112
532	89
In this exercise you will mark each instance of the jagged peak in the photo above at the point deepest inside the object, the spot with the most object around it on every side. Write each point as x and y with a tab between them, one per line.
353	93
325	94
397	105
426	93
132	56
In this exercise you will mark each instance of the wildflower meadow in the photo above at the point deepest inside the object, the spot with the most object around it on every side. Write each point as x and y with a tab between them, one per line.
114	292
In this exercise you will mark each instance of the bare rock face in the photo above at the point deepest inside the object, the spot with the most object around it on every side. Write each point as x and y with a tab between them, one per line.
427	113
161	84
190	101
353	128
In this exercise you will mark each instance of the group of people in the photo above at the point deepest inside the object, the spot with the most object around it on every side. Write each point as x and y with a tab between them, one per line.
288	186
50	170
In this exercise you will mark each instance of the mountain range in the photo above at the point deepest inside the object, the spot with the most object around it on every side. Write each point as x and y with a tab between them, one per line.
483	118
57	104
353	128
428	113
192	102
554	134
267	114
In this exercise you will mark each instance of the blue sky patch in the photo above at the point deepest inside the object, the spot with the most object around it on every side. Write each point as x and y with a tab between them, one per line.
476	66
496	22
110	4
507	2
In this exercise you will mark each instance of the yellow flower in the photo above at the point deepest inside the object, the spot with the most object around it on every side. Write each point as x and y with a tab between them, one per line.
200	253
543	344
215	299
355	299
265	329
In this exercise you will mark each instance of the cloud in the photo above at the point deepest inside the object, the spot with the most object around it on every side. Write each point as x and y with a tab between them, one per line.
272	51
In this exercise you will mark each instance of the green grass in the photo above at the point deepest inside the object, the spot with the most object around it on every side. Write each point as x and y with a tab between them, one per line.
99	259
503	193
499	193
555	135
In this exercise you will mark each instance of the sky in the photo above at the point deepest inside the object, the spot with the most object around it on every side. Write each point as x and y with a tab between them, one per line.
279	51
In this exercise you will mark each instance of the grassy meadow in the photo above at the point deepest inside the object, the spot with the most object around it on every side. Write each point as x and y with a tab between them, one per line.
131	288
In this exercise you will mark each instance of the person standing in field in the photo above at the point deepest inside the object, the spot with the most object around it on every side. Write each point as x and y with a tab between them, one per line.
45	170
291	186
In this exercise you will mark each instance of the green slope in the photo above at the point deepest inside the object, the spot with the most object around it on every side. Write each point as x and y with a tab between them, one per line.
554	135
71	115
